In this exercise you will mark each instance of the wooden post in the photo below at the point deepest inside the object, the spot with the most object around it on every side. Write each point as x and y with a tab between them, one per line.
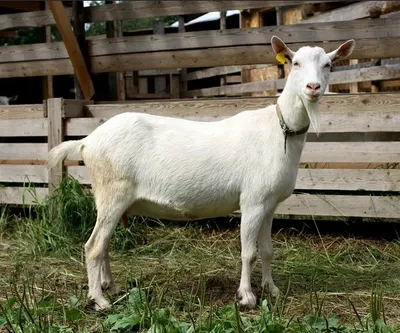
116	81
160	82
354	85
72	46
183	74
222	26
279	21
55	111
48	91
79	31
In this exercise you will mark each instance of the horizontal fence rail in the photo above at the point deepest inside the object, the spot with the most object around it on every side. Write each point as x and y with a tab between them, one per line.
229	47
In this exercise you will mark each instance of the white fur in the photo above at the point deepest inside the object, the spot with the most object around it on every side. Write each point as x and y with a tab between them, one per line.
178	169
4	100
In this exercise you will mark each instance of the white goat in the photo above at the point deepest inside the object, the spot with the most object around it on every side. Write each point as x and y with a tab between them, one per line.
4	100
179	169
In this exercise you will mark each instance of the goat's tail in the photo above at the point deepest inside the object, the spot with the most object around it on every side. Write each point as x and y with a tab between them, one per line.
62	151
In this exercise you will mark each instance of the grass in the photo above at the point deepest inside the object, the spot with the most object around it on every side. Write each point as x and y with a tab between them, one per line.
183	277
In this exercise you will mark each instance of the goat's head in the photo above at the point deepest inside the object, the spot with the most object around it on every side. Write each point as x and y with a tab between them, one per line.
4	100
310	67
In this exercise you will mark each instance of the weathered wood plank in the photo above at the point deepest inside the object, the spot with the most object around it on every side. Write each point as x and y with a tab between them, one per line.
234	55
339	113
317	179
385	72
23	174
26	111
23	127
73	49
348	180
133	10
30	19
80	173
23	151
55	110
22	195
306	33
343	121
351	152
341	205
347	13
140	9
222	70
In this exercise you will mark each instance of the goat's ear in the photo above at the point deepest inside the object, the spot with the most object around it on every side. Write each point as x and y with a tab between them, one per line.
13	98
343	51
280	47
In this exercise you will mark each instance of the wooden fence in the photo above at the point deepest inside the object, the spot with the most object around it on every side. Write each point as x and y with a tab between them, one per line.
351	170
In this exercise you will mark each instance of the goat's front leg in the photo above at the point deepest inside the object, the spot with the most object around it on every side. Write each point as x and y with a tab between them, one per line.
266	253
107	282
252	219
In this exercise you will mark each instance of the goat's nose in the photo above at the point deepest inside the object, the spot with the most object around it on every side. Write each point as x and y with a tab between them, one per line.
313	86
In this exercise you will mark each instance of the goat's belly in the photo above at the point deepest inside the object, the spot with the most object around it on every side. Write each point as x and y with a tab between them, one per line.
180	212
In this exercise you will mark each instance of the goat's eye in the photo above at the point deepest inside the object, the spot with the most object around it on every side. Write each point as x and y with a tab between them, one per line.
328	65
296	64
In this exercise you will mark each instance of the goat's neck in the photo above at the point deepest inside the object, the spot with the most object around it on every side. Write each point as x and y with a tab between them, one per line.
293	110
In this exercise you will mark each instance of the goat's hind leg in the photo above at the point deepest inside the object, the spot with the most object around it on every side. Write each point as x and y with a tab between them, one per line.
109	211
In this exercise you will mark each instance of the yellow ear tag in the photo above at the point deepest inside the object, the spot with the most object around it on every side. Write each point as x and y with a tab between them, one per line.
281	57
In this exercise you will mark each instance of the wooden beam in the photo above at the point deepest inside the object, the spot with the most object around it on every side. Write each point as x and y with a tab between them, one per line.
78	25
338	112
341	205
23	127
21	195
160	82
140	9
355	11
222	26
26	111
136	9
221	70
312	33
224	56
386	72
183	81
308	34
55	108
23	174
73	49
116	81
48	91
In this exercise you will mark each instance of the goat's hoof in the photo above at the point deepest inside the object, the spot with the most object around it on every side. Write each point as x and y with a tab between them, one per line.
247	299
100	304
274	291
111	288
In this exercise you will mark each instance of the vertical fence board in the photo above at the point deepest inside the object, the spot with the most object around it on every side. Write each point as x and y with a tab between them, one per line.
55	137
